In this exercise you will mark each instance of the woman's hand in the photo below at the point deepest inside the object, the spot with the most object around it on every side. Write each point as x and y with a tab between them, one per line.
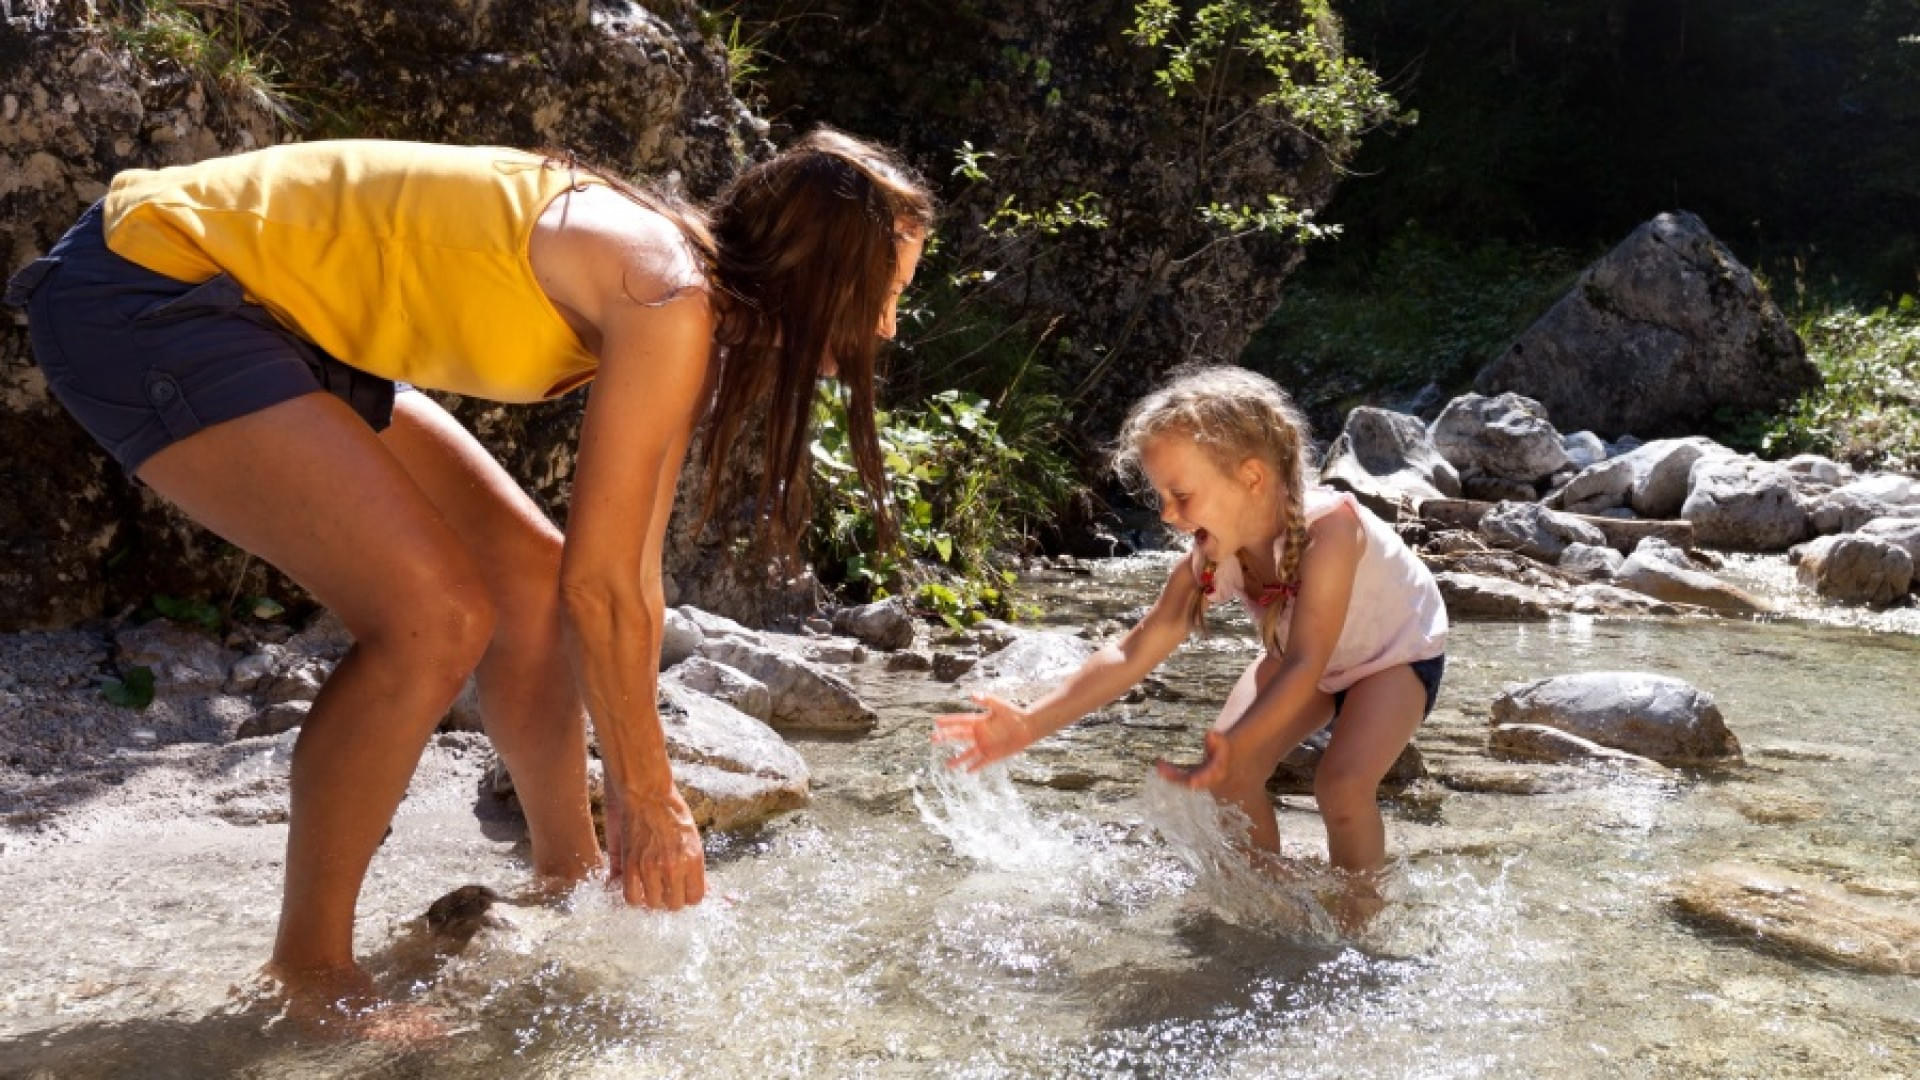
653	851
980	739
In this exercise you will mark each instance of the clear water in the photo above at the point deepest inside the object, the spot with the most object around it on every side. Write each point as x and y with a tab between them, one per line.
1065	917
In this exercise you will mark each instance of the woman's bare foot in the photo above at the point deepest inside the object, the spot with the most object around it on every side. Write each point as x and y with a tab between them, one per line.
342	1003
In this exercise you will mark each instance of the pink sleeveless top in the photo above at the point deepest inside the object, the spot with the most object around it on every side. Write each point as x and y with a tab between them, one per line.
1395	615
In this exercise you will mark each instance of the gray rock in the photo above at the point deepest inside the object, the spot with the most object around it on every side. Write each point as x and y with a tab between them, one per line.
834	650
1596	488
711	626
183	659
1890	488
1472	597
1294	774
884	624
298	679
723	683
679	636
1584	449
274	719
1386	459
1661	579
1822	470
1653	547
910	660
247	671
1593	561
1662	470
1507	437
950	666
1802	915
1902	531
1653	716
803	696
1856	569
1655	337
1497	489
1743	505
1540	742
1596	598
1843	512
1535	531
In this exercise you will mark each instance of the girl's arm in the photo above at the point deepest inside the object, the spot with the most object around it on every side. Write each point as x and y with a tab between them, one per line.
1006	729
640	413
1278	718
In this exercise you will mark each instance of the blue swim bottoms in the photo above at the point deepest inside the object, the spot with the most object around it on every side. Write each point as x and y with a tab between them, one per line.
1429	672
143	361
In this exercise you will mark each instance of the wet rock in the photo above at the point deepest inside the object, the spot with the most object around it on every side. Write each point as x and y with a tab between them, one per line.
1294	774
1904	532
992	635
1386	459
1802	915
679	636
834	650
1506	778
1506	437
1654	337
1596	598
1591	561
1535	531
724	683
183	659
274	719
1744	505
1477	597
1539	742
455	918
910	660
1650	572
1653	716
803	696
884	624
951	666
1856	569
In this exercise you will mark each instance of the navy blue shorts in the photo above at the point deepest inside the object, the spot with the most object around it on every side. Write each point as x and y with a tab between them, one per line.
142	360
1429	672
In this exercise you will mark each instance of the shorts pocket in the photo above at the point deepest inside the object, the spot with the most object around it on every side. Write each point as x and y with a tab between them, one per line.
216	294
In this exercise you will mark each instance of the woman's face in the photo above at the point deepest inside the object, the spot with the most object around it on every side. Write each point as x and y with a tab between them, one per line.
906	252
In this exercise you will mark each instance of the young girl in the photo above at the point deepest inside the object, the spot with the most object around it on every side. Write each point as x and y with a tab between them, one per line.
1352	622
234	332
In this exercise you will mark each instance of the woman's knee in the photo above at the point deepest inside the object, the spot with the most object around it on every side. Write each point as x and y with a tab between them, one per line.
436	614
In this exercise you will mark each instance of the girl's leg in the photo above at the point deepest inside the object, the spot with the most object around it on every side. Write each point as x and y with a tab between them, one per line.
308	487
1251	796
1376	721
528	698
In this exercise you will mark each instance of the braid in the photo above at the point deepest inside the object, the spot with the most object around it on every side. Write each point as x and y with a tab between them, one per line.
1294	524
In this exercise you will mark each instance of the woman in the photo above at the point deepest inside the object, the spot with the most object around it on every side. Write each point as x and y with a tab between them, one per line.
234	333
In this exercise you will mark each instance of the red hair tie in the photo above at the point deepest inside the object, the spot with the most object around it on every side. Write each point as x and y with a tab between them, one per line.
1206	579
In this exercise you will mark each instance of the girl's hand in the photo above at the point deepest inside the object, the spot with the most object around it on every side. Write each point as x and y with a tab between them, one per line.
980	739
1213	771
654	854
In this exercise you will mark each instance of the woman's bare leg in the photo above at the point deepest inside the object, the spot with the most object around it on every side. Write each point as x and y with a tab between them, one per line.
308	487
529	701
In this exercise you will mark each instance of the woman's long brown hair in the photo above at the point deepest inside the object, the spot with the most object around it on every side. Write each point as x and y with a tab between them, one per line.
800	251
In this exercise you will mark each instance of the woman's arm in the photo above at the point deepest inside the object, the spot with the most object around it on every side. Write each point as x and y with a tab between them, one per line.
1006	729
639	418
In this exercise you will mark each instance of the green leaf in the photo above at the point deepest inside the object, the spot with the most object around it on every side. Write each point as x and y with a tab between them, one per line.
132	690
944	545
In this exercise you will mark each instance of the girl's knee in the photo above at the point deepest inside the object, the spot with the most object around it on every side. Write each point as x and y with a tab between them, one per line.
1344	792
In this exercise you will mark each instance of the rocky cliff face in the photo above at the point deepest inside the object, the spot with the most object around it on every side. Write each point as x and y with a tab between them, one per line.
1066	102
640	90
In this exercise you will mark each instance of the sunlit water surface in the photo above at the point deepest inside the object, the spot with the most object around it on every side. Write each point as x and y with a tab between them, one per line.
1069	917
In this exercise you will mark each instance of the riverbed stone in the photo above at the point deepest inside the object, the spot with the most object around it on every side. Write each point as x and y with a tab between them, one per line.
1902	531
1656	576
1802	915
1294	774
803	696
1654	716
1535	531
883	624
1821	470
1584	449
183	659
1477	597
1507	436
1662	471
274	719
1541	742
1843	512
1605	485
1854	568
1387	460
1744	505
1595	562
1890	488
679	636
724	683
1599	598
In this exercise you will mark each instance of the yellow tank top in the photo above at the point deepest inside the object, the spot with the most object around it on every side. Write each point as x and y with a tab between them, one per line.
407	260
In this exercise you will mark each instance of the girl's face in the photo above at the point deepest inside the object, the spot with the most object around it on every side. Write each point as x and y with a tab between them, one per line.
1224	510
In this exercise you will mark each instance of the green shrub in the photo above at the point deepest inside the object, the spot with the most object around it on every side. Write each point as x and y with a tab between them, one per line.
1867	413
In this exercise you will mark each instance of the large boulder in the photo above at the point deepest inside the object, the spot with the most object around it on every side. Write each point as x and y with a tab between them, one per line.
1387	460
642	91
1653	716
1744	505
1599	487
1663	471
1505	438
1856	569
1655	337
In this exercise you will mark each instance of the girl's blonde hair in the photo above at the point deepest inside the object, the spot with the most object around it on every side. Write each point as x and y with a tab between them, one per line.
1233	414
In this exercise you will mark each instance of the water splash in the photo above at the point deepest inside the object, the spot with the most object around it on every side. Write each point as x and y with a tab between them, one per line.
984	819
